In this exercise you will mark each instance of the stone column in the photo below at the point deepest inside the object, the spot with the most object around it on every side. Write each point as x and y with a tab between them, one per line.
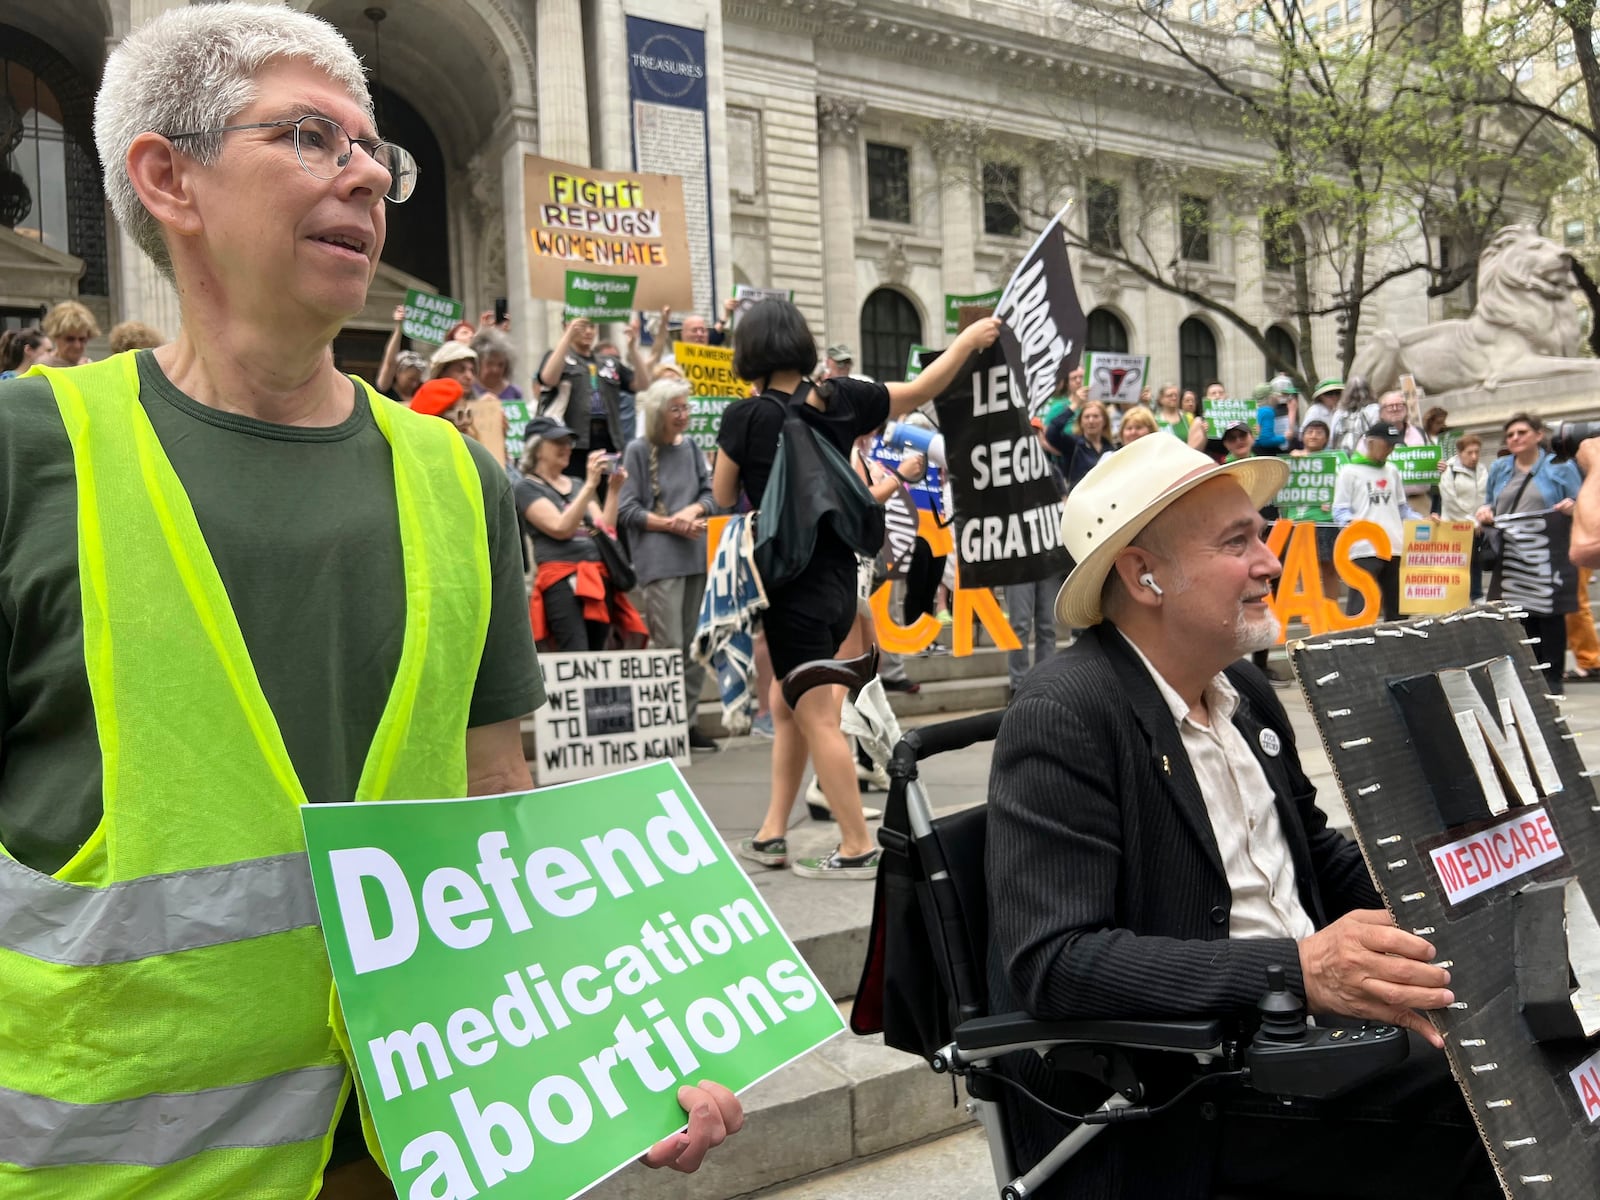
957	162
138	290
514	139
563	95
837	122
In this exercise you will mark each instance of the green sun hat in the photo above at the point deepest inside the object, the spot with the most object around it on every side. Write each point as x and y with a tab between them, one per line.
1327	385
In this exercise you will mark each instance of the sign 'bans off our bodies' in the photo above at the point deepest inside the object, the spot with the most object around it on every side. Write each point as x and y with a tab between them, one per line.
528	979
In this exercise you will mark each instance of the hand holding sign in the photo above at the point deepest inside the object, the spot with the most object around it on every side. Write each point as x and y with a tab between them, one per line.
1362	966
980	335
715	1115
537	987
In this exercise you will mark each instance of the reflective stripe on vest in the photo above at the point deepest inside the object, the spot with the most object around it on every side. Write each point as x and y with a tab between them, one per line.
165	997
157	1131
81	926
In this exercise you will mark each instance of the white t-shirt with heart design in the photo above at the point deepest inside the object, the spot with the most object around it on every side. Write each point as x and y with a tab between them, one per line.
1365	492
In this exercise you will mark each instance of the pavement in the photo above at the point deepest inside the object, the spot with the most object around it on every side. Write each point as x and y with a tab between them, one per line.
854	1117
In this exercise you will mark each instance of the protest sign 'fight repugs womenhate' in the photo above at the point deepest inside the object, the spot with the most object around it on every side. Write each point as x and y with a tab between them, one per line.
606	223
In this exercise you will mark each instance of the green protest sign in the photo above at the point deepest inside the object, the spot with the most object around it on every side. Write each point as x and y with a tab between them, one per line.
1220	414
599	297
1308	495
518	414
706	419
954	304
914	361
428	317
1419	465
526	980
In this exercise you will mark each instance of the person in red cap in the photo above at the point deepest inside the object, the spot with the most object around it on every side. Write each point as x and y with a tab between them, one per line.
437	397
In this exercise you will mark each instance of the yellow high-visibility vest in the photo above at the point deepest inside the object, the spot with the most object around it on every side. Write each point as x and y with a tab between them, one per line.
165	1016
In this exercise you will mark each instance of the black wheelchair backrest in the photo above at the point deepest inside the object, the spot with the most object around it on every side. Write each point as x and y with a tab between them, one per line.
930	915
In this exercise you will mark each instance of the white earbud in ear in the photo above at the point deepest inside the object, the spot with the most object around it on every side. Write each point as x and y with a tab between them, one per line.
1147	580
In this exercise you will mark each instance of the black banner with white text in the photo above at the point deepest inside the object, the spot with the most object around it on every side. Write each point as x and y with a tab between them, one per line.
1043	325
1008	514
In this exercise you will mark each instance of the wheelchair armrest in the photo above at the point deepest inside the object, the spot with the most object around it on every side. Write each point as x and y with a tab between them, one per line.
1017	1029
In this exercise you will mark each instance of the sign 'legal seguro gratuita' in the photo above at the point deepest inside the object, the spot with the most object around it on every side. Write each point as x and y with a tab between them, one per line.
607	223
526	980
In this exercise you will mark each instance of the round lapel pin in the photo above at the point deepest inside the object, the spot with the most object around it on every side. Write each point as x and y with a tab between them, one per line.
1270	742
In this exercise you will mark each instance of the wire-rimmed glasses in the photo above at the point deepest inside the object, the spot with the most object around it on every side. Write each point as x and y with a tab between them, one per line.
324	150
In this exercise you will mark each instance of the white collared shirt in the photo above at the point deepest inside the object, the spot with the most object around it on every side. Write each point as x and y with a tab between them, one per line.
1244	817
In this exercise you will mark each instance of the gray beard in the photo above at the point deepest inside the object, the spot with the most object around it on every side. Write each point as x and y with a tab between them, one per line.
1250	635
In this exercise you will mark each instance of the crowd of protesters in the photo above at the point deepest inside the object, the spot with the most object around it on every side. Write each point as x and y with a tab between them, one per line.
615	499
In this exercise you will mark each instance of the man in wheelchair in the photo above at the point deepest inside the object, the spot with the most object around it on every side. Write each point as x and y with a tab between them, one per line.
1154	847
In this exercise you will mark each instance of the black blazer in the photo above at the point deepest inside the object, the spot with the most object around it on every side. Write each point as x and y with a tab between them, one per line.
1108	896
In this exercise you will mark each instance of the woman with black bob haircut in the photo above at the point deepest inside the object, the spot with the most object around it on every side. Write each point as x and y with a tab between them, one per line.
809	617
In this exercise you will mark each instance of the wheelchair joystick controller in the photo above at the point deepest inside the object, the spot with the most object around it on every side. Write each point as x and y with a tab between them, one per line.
1283	1016
1289	1057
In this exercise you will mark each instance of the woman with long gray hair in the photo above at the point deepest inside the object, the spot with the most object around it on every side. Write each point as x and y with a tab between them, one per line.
663	507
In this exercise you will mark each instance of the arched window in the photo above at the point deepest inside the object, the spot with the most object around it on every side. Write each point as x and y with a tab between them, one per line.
889	328
418	241
1106	332
35	142
49	184
1281	342
1197	351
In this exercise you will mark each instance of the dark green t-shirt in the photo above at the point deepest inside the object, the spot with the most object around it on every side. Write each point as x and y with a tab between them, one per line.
303	526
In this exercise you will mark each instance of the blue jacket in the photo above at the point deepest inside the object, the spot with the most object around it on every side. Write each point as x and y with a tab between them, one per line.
1558	481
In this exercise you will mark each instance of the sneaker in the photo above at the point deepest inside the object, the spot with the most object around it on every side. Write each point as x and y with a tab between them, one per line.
700	741
819	808
909	686
873	778
837	866
771	853
761	727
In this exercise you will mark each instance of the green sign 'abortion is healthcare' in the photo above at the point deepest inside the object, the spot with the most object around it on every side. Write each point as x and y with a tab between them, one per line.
528	979
599	297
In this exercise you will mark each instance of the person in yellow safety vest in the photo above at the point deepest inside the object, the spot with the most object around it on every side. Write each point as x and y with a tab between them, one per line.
232	581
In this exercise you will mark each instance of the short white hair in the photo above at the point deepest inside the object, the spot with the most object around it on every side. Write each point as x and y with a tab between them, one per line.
194	67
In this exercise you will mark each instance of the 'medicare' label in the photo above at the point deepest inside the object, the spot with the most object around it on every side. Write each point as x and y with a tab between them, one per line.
1496	855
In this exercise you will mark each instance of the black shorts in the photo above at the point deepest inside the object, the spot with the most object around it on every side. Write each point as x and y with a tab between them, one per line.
810	616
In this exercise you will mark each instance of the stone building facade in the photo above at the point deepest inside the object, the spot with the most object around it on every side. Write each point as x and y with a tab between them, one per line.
843	155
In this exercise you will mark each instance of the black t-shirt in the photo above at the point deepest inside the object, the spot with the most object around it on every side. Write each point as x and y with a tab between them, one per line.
579	547
750	427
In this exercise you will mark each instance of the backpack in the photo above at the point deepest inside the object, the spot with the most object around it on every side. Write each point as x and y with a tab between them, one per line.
811	485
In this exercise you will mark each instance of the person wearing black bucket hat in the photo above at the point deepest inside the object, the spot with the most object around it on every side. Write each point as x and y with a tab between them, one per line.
575	605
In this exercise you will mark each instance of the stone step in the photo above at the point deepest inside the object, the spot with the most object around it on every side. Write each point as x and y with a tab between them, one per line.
924	668
955	1166
978	693
849	1100
975	693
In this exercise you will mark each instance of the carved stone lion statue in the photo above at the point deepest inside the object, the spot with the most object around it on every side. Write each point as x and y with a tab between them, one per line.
1524	327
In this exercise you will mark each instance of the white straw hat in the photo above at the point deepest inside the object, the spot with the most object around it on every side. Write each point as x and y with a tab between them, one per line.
448	353
1127	490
